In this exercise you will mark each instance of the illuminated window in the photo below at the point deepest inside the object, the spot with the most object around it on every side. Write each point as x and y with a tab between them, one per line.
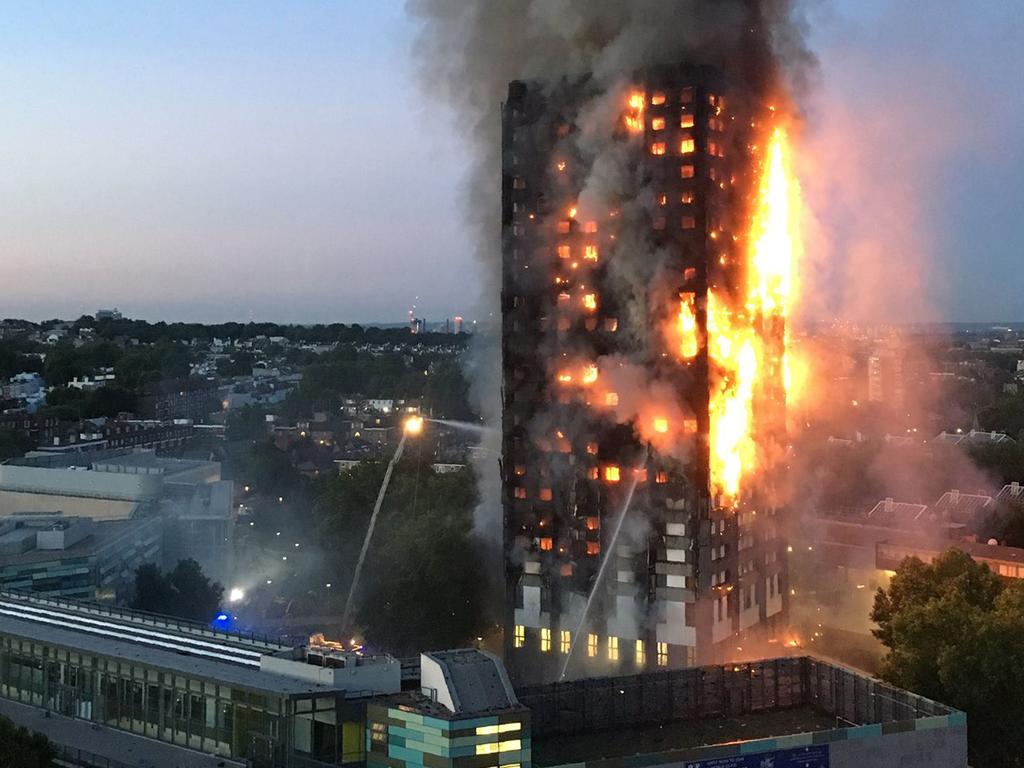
657	98
379	733
519	636
501	746
641	475
520	493
686	198
520	470
490	730
689	222
590	302
590	253
662	654
564	227
657	123
690	426
592	646
592	449
546	545
613	649
658	148
686	172
566	569
545	494
545	640
593	548
611	325
690	273
611	399
593	473
687	146
590	227
612	474
686	121
662	199
662	477
564	641
640	653
563	298
593	523
564	252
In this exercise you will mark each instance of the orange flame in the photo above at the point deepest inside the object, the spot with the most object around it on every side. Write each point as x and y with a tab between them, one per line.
635	114
749	344
688	330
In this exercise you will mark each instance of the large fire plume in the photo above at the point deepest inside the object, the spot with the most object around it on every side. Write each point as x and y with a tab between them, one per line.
748	342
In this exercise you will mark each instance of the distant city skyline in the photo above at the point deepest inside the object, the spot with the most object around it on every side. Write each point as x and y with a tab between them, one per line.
277	161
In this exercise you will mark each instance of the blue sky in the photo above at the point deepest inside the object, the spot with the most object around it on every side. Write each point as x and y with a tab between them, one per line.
275	160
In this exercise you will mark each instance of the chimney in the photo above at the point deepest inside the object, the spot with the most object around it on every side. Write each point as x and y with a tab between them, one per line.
1015	488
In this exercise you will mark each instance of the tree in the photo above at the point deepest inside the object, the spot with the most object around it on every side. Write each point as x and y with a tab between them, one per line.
423	583
955	633
186	592
13	444
20	748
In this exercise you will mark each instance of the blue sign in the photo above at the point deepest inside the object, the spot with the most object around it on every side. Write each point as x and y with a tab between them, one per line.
802	757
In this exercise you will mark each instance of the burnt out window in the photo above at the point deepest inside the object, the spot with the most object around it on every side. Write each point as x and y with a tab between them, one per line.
564	226
659	223
519	183
689	222
687	197
686	95
686	172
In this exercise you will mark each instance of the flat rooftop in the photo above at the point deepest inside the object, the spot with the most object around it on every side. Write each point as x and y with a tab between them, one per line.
105	533
706	714
624	742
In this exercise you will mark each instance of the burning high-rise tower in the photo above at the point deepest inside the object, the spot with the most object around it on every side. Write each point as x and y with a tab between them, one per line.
647	240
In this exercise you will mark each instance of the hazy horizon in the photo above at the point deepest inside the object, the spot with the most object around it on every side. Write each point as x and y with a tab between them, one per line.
280	162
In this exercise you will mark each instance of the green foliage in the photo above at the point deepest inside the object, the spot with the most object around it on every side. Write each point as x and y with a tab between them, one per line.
20	748
955	633
423	579
14	358
248	423
239	364
269	471
185	592
163	360
73	404
13	444
1005	461
1005	415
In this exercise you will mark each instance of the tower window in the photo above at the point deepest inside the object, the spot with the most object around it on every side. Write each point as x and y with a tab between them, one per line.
564	641
662	654
613	649
545	640
592	645
640	653
519	636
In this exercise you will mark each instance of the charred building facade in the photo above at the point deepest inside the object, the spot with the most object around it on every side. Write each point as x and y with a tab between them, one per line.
623	216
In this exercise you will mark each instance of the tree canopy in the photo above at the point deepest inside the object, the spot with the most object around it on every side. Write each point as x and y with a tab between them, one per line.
422	587
185	592
20	748
955	633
